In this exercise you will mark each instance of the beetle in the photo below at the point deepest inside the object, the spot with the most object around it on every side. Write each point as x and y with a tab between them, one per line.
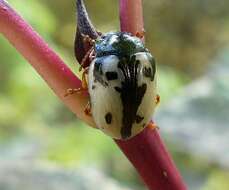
122	85
120	76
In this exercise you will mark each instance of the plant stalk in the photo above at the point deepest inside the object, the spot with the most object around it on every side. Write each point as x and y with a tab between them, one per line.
146	151
43	59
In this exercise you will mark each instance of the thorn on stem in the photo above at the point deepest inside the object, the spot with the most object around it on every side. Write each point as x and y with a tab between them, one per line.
85	34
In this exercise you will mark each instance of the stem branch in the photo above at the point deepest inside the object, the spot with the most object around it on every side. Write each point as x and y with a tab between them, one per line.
43	59
146	151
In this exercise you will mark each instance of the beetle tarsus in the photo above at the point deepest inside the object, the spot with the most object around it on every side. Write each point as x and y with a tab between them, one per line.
88	39
71	91
84	79
140	34
157	99
87	109
89	55
84	85
152	125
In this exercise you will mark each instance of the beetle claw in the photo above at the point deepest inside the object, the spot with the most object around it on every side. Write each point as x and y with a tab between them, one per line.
90	55
72	91
157	99
88	39
140	34
83	88
87	109
152	125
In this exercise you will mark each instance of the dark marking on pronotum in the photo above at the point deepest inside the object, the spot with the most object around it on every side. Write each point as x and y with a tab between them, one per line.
112	75
139	119
93	87
98	73
108	118
131	94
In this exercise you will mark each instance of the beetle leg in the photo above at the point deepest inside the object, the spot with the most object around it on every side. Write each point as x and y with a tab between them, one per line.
157	99
87	55
92	55
71	91
152	125
140	34
87	109
99	33
83	88
84	78
89	42
88	39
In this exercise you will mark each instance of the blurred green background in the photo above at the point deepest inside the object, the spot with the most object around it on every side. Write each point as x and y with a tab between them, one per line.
184	36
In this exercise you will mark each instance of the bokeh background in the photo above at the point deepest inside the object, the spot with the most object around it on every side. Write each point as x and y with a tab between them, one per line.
44	146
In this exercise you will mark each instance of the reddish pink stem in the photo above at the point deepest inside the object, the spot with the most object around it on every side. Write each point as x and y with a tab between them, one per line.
131	19
147	151
148	154
45	61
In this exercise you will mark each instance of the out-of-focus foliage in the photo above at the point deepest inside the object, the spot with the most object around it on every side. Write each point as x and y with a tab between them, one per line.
217	180
187	34
183	36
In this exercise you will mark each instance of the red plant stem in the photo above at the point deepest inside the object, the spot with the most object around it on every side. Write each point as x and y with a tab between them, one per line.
146	150
45	61
148	154
131	19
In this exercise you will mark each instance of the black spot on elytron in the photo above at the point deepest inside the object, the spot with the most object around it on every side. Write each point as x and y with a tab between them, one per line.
98	72
143	125
93	87
108	118
118	89
131	94
139	119
112	75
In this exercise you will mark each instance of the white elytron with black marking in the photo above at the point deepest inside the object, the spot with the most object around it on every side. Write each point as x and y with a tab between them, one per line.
122	85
